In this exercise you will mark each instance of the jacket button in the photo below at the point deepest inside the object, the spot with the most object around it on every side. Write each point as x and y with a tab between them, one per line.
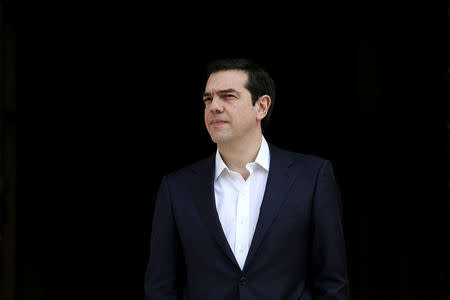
243	281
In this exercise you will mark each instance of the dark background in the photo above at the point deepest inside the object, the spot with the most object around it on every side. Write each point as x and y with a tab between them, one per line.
102	101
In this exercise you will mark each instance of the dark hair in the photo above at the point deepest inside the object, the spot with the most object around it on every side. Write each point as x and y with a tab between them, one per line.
258	84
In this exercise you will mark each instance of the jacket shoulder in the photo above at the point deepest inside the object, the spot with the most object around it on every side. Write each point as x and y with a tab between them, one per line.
187	171
298	158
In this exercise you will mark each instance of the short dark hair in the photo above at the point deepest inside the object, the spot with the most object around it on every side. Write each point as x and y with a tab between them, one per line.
259	82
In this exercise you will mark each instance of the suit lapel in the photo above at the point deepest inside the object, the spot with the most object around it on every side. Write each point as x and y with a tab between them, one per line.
206	204
278	183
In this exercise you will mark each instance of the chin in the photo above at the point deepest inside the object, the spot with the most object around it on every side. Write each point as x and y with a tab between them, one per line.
220	138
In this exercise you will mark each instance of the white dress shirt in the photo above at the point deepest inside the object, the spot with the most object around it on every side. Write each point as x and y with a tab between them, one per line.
238	201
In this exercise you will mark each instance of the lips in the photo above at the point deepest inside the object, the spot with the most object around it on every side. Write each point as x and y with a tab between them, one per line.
218	122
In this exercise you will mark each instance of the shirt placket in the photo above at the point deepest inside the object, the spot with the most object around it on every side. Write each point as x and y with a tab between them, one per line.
242	224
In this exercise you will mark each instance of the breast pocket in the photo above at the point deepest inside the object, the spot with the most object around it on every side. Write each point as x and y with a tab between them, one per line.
292	219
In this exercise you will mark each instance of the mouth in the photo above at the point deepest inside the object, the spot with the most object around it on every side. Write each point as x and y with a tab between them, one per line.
218	122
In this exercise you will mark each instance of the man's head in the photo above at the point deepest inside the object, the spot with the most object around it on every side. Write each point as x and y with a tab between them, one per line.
241	94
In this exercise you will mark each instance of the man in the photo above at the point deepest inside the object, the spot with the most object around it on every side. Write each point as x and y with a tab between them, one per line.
251	221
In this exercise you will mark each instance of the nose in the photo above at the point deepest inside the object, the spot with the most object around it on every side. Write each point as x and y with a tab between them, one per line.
216	105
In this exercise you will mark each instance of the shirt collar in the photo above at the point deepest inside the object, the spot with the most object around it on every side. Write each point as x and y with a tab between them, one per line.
220	165
262	159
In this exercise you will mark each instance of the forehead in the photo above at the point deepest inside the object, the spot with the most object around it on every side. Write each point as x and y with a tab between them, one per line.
236	79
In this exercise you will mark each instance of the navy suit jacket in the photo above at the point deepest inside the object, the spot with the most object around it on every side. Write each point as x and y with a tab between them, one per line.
297	251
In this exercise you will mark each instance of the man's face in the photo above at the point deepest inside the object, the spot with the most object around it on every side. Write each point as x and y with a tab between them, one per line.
229	113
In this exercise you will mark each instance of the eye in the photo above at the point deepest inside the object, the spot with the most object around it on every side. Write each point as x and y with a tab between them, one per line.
207	99
229	96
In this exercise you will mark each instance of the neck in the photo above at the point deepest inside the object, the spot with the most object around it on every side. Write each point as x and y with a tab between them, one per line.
237	154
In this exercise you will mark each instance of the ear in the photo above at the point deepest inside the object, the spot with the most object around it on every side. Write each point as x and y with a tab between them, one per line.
262	107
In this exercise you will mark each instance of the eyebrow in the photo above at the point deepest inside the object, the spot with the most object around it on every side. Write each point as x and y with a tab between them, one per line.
222	92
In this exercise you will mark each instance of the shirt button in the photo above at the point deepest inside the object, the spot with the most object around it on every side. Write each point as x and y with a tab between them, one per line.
243	281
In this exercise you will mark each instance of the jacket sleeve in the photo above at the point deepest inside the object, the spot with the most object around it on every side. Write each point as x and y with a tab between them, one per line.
161	278
328	263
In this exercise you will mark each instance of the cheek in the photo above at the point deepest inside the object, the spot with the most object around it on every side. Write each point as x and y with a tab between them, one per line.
205	118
